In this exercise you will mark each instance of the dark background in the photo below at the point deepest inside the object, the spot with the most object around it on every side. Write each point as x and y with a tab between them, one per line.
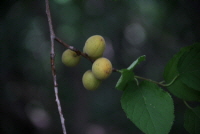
131	28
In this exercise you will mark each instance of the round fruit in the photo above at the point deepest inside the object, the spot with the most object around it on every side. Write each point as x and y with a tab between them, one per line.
89	81
102	68
94	46
70	58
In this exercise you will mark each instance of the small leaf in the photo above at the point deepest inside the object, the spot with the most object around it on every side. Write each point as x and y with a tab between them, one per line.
126	76
192	120
136	62
189	67
149	107
178	88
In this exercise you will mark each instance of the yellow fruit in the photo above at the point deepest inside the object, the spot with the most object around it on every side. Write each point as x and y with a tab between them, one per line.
89	81
70	58
102	68
94	46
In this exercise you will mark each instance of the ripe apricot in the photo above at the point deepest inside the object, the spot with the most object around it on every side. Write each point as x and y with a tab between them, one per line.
89	81
70	58
102	68
94	46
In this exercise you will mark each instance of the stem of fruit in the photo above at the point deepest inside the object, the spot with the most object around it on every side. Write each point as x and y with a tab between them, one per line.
73	49
53	68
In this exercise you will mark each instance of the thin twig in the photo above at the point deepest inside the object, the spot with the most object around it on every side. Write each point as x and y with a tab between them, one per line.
142	78
166	85
52	57
158	83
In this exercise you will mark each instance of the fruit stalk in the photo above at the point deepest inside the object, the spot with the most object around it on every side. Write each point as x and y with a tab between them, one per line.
73	49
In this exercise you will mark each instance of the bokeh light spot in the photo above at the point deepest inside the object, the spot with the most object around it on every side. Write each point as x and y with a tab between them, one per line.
135	34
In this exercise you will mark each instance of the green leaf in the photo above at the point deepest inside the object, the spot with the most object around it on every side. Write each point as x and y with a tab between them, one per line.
149	107
189	67
136	62
192	120
126	76
178	88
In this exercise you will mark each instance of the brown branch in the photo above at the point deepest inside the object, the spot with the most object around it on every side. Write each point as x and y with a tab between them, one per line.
74	49
53	68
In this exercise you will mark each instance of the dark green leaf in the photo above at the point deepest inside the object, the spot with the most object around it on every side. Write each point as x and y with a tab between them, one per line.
189	67
192	120
178	88
149	107
182	91
126	76
136	62
171	70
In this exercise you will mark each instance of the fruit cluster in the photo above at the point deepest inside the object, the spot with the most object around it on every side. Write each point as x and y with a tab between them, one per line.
101	67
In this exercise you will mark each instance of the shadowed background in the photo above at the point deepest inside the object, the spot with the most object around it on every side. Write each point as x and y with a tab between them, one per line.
131	28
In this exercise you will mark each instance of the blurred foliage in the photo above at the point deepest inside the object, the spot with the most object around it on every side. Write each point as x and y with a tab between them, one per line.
157	29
